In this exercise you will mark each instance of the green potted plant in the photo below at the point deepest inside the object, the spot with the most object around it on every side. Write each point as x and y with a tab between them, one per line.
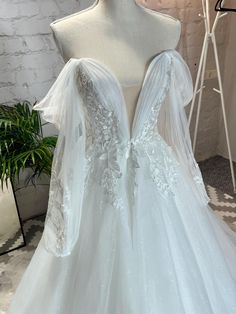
25	154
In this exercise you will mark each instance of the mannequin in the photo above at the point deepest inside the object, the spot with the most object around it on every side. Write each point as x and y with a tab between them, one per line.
122	35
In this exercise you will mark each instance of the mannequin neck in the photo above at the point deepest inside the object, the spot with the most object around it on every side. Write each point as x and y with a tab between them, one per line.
118	5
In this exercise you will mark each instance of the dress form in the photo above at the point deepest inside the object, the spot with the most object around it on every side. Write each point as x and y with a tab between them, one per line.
121	34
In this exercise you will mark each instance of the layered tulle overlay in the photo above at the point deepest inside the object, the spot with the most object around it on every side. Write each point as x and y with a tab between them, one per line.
128	228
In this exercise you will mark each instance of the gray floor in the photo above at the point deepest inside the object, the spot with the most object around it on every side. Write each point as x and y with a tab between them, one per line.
216	172
12	265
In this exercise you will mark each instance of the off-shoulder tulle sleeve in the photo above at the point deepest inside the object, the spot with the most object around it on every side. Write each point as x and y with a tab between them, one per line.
173	125
61	94
62	106
182	80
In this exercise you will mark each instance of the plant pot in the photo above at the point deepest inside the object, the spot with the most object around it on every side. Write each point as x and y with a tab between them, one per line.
32	199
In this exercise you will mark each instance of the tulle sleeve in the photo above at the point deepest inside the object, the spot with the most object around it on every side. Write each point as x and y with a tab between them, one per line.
173	126
60	95
62	106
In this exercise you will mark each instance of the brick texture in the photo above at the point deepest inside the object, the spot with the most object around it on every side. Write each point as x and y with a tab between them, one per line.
30	61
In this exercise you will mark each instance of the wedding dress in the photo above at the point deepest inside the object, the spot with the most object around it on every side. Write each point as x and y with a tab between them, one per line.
128	228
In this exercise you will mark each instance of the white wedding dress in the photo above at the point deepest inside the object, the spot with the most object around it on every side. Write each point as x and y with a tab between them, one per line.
128	228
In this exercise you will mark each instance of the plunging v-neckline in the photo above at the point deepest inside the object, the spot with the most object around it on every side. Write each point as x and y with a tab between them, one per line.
150	67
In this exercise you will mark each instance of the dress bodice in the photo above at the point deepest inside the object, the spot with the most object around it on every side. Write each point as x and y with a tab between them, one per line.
97	84
96	145
110	143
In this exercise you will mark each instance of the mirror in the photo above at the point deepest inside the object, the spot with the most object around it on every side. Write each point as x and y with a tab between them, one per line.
11	231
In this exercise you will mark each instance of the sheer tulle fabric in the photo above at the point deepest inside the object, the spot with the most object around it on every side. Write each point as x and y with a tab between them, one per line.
138	234
62	106
172	125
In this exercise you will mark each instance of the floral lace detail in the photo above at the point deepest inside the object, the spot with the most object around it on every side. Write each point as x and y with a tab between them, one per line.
148	128
199	181
106	144
198	178
163	167
104	138
162	162
56	218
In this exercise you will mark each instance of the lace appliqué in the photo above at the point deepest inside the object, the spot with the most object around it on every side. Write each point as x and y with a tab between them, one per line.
56	215
106	144
163	167
198	178
59	196
162	162
103	139
199	181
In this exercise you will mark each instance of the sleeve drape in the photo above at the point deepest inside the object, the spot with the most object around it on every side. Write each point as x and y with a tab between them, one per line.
173	126
62	106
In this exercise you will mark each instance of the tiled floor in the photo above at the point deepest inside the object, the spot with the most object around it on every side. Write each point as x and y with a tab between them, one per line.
216	172
13	264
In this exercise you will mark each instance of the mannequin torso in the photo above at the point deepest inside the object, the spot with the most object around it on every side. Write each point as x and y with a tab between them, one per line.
122	35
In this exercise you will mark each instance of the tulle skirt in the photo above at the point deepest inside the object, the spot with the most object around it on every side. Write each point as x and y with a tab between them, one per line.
182	260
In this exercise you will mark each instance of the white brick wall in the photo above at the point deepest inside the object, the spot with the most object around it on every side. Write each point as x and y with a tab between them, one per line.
30	62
